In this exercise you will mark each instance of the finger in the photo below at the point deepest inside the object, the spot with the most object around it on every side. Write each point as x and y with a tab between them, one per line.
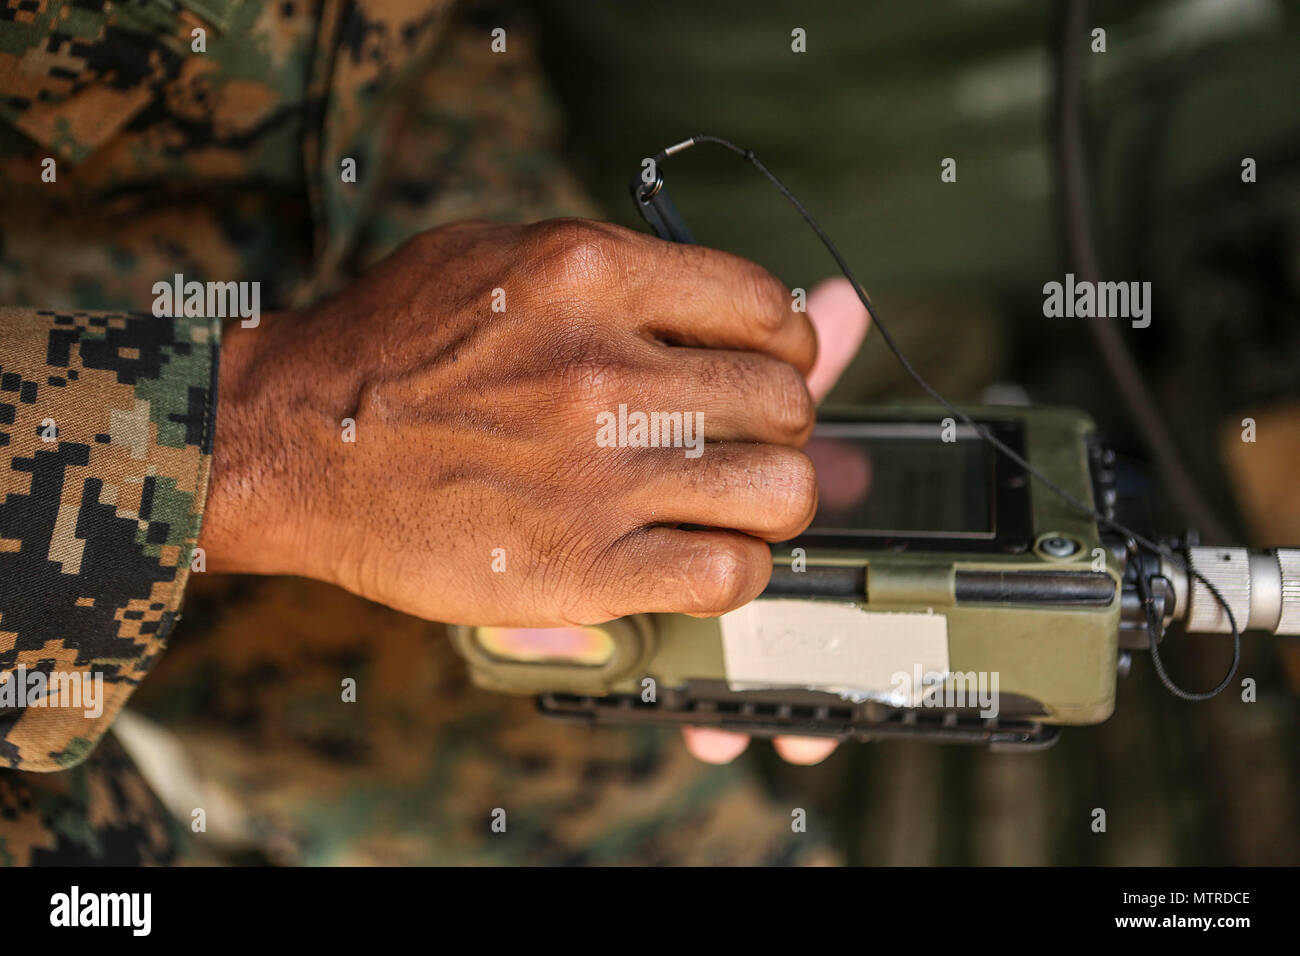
767	491
714	746
743	396
840	320
843	471
666	570
704	297
804	751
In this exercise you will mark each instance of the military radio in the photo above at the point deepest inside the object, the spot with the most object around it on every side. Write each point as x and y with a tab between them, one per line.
976	575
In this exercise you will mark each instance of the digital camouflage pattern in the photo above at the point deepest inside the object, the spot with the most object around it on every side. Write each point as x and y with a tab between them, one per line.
100	811
226	165
106	444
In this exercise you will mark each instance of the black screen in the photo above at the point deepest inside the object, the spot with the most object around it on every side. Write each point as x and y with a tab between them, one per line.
902	479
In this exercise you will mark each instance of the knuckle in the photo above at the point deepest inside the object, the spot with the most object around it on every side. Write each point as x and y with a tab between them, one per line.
575	252
589	388
786	485
762	299
797	481
559	582
717	579
589	370
791	405
719	373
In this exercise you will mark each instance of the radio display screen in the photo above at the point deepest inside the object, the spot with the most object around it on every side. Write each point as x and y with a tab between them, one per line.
902	479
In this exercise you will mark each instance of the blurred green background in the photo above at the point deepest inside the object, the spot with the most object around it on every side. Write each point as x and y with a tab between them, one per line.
858	126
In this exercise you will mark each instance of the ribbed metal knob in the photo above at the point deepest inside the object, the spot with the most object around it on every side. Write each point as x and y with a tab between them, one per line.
1228	569
1288	560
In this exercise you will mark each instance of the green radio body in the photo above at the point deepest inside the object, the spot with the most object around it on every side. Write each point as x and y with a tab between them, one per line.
939	593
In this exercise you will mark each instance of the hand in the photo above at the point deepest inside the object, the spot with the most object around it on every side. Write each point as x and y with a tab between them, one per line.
476	430
840	322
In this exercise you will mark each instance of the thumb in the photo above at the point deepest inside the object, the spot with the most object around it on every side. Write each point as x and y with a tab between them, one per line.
840	320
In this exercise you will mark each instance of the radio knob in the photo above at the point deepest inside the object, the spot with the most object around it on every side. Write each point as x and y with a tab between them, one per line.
1261	587
1288	560
1228	569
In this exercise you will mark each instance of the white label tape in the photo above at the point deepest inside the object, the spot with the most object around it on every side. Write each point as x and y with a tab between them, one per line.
838	648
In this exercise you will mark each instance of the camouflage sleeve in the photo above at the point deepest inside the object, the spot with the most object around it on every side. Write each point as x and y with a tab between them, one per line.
479	137
105	449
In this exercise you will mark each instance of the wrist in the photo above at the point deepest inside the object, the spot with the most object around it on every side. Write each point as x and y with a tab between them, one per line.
244	527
